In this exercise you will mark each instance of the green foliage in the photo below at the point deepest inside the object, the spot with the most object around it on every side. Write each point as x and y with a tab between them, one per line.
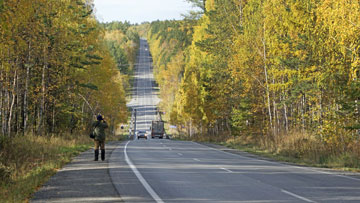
168	41
122	39
89	86
1	5
117	25
120	56
200	9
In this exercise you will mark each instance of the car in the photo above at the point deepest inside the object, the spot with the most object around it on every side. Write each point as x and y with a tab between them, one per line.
141	134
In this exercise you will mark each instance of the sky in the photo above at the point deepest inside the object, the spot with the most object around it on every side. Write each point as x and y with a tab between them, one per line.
138	11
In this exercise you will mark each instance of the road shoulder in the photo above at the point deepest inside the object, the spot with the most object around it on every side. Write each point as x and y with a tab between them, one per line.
352	175
82	180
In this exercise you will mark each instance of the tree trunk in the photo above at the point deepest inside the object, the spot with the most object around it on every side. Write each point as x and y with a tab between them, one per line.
303	106
204	6
12	102
267	82
286	116
276	117
241	13
53	118
43	89
190	128
2	98
17	106
25	101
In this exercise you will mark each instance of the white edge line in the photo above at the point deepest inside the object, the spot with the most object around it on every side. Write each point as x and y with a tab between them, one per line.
226	170
274	162
297	196
141	178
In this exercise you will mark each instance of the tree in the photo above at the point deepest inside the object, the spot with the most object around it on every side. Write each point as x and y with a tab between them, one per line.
47	53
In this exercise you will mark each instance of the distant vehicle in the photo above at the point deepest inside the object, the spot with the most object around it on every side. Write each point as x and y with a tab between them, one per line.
167	136
141	134
157	129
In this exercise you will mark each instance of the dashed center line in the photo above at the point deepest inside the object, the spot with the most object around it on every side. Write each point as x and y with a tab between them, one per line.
297	196
226	170
179	154
196	159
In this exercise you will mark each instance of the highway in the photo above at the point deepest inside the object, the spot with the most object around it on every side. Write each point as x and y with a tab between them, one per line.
157	170
144	98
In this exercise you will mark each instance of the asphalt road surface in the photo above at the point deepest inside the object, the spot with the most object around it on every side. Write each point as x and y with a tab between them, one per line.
177	171
145	97
160	170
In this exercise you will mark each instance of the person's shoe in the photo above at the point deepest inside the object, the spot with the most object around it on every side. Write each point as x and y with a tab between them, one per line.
103	154
96	155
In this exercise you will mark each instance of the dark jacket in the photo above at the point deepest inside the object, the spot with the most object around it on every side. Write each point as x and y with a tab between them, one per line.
99	130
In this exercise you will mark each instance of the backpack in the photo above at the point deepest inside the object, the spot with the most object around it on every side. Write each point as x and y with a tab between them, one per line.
92	133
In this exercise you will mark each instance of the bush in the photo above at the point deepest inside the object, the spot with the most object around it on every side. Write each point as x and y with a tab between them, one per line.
5	173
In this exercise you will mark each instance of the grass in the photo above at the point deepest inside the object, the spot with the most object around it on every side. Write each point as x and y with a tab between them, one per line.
27	162
344	161
295	147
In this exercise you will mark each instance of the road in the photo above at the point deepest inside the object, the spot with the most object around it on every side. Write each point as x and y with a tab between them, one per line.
177	171
157	170
145	97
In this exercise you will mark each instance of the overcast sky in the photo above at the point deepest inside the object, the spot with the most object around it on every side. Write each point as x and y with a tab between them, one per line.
138	11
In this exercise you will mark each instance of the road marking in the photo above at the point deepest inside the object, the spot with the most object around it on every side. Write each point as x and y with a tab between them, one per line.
179	154
141	178
327	173
277	163
196	159
297	196
170	149
226	170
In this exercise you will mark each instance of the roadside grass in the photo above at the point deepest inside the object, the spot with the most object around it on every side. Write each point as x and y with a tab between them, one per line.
27	162
296	148
314	158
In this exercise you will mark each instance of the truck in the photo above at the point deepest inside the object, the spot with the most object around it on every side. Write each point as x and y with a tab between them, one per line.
157	129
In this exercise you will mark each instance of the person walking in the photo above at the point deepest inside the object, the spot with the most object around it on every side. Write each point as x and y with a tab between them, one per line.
99	131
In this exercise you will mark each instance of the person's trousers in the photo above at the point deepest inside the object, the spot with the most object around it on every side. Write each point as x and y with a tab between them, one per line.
100	144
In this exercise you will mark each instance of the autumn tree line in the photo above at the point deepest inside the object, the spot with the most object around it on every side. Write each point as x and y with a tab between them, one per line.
122	39
264	70
56	68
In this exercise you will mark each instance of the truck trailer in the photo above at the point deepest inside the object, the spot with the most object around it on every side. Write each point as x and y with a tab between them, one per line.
157	129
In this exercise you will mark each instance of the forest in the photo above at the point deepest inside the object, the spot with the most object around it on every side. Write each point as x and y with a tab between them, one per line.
280	76
56	70
59	68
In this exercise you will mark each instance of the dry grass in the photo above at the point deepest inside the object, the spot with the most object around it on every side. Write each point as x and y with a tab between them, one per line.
300	148
27	161
295	147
